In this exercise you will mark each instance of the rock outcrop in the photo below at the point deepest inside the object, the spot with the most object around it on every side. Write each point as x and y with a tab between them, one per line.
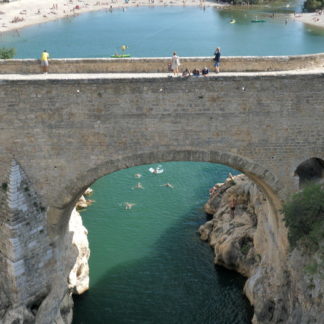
79	276
241	234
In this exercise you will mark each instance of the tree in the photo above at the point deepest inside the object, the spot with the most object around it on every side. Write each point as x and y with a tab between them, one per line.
7	53
312	5
304	217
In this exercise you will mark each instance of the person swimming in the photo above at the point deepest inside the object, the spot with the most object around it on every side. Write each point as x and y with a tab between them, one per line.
158	170
169	185
128	205
137	175
138	186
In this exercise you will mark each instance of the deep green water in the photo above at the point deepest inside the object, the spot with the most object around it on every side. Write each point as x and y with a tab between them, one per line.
148	264
159	31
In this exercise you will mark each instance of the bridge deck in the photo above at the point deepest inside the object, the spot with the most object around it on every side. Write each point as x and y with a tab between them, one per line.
211	75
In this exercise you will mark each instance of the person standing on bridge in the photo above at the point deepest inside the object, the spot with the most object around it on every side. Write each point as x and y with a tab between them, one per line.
175	63
217	59
44	61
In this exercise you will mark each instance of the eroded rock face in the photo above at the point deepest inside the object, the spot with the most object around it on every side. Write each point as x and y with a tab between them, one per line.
232	229
79	276
243	236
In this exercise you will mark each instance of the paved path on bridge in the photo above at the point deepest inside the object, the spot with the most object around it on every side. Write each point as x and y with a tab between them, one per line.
78	76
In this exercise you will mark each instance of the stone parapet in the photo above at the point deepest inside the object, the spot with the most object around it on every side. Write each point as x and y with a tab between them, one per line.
160	64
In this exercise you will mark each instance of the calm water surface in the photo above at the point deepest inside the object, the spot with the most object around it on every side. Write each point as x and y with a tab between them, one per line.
159	31
148	264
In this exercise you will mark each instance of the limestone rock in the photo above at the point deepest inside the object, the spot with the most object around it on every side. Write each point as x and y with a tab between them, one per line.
245	238
88	192
232	228
83	203
79	276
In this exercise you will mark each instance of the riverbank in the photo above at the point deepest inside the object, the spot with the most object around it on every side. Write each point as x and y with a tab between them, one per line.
244	238
23	13
312	18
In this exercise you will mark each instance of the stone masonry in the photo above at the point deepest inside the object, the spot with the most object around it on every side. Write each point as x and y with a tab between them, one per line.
60	133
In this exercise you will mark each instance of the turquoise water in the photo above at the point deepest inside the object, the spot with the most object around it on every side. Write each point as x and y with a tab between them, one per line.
147	263
159	31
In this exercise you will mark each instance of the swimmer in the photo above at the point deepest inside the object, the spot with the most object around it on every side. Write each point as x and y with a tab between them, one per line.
138	186
137	175
158	170
169	185
129	205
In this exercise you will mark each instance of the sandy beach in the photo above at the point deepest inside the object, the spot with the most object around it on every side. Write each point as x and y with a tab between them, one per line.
314	19
22	13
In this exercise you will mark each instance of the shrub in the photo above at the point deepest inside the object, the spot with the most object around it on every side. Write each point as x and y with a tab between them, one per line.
312	5
304	217
7	53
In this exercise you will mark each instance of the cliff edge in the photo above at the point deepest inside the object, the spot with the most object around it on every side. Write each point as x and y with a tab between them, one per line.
279	288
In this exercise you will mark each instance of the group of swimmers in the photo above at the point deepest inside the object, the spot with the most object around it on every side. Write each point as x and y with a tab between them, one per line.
128	205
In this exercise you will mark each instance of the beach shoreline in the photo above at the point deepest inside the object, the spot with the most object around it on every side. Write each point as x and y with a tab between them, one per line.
23	13
311	18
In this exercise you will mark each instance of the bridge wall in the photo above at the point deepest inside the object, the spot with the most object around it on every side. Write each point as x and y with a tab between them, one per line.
58	129
60	135
152	65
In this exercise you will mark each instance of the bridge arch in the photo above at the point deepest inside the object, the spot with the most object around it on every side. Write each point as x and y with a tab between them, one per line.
267	182
310	170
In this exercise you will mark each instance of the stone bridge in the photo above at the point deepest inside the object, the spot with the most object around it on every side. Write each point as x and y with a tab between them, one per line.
61	132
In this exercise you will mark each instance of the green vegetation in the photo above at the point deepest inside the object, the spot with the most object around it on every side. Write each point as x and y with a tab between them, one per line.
309	5
312	269
7	53
312	5
4	186
304	217
245	245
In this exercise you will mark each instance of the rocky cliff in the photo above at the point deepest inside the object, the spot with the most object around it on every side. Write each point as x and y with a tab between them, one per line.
78	280
279	286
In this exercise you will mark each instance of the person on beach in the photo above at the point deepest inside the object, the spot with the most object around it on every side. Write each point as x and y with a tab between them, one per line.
175	63
217	59
44	61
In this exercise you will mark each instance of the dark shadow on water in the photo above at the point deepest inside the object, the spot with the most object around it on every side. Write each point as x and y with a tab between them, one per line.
169	286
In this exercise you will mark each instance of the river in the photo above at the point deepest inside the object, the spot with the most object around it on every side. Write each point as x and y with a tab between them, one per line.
148	264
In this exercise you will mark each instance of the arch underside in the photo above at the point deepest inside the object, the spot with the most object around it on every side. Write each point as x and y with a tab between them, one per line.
267	182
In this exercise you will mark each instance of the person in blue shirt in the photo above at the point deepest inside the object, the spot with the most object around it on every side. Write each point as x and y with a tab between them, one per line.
204	71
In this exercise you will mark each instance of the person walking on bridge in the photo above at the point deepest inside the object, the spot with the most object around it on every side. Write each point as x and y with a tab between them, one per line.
44	61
